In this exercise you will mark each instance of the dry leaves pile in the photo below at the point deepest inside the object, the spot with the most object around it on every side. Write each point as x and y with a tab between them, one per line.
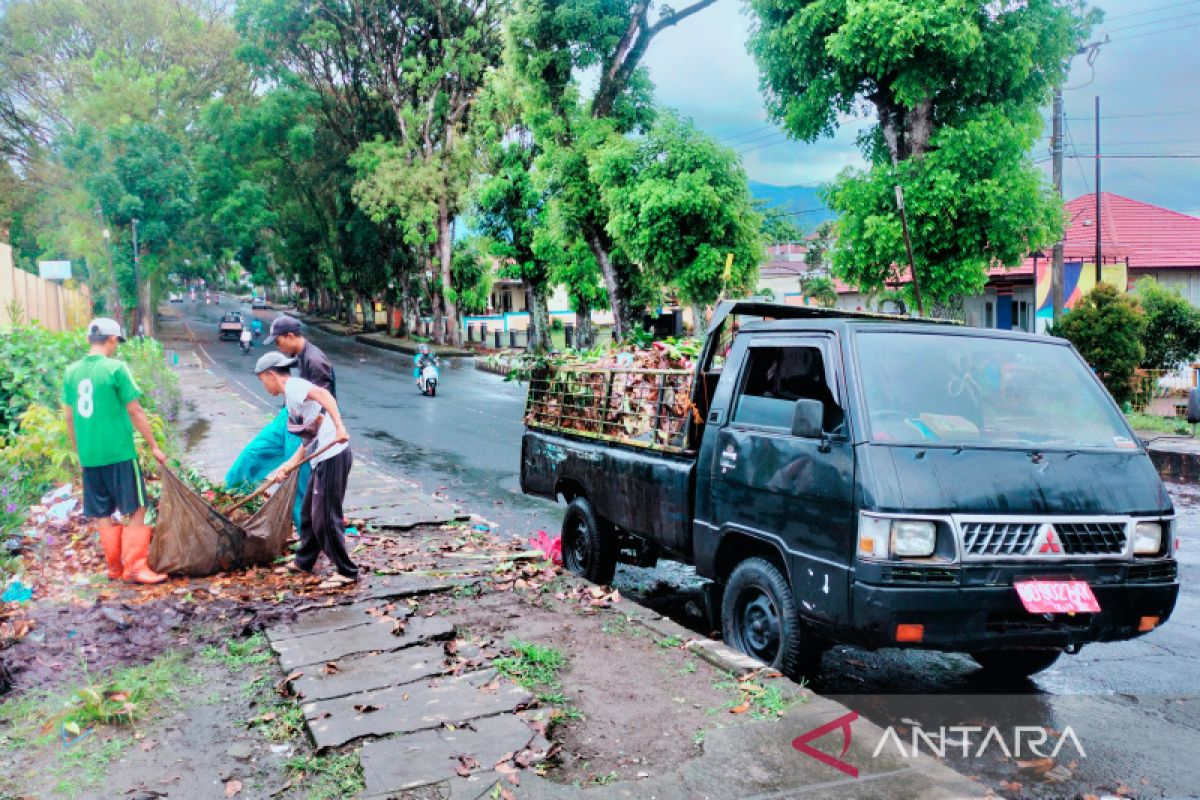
635	396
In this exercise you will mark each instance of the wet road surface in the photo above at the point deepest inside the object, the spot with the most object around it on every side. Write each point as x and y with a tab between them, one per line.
1134	705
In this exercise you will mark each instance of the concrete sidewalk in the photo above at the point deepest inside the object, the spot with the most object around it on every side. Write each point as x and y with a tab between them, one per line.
217	422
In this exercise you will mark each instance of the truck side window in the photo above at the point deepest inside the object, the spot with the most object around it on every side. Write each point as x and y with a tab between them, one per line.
776	377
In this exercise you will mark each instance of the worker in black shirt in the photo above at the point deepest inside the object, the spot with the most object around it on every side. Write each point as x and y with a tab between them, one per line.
312	362
273	445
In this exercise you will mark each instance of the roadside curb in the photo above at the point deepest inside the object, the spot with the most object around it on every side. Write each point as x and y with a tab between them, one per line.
499	367
1179	466
408	349
719	654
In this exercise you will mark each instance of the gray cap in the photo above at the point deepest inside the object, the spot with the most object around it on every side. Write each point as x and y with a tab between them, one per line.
281	325
273	360
103	326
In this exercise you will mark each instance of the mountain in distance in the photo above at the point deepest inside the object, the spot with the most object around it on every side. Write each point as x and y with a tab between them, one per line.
807	209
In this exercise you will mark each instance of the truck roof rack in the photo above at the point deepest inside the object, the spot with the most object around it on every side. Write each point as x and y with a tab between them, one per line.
763	308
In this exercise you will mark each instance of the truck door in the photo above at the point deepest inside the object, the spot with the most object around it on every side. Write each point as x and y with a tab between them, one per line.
797	492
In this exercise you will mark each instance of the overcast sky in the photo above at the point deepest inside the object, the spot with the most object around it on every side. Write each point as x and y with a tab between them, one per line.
1148	80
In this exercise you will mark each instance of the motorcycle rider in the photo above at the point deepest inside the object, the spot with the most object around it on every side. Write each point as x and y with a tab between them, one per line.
247	339
256	328
423	359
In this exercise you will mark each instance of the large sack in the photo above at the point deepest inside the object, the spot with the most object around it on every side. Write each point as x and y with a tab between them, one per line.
266	453
192	538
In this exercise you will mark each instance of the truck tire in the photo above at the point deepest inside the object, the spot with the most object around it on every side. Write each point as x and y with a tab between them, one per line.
1014	664
589	544
759	618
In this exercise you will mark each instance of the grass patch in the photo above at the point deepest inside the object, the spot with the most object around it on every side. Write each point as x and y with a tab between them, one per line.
670	642
117	698
1148	422
83	725
237	654
280	722
328	777
536	668
761	699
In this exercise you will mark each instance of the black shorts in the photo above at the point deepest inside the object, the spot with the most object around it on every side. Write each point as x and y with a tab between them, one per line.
113	487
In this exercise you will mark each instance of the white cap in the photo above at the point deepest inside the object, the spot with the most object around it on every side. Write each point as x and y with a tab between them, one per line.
103	326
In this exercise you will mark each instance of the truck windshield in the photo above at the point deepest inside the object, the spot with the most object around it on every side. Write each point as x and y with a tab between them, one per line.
980	391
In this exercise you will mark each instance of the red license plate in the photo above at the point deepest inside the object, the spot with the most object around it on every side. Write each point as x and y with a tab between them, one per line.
1057	597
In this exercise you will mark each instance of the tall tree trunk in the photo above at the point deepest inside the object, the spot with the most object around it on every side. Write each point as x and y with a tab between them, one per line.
619	299
539	319
149	312
366	303
446	255
585	332
391	316
348	306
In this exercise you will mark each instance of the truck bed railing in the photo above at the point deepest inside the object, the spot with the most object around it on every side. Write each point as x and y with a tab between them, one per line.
639	407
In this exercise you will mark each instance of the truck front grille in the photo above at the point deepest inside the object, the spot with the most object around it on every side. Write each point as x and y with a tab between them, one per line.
1091	538
998	538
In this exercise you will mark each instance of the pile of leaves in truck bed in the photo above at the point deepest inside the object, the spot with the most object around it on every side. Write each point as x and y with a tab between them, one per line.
640	396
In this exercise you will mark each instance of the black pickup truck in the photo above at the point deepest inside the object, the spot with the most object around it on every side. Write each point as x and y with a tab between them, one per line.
872	480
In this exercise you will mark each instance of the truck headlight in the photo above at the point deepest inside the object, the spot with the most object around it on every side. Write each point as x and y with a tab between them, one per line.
1147	538
913	538
891	538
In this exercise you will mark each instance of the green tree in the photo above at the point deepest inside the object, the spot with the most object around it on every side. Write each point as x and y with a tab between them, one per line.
550	43
778	224
821	289
678	203
955	87
1172	326
1107	328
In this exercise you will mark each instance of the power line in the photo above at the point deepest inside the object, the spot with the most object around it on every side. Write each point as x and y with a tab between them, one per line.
1152	33
1104	156
755	130
758	139
784	140
1153	22
1075	150
1169	7
1140	115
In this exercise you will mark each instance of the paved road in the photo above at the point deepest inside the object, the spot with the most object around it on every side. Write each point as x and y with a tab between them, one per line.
1134	705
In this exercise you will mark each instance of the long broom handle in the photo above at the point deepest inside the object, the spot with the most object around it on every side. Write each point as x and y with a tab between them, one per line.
268	484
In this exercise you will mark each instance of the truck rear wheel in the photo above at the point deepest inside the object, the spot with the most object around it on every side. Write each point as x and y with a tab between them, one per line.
759	618
1014	664
589	544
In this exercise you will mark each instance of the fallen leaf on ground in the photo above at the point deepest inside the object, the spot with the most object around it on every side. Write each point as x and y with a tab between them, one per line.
330	668
366	708
1038	765
232	787
740	709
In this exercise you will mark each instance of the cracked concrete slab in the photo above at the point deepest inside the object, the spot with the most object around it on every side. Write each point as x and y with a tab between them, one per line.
389	587
305	650
334	618
420	759
366	673
413	707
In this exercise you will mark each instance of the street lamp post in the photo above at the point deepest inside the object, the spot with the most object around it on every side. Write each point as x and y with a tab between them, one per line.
114	292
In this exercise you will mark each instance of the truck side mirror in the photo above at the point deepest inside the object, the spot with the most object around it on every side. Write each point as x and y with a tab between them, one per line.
807	418
1194	406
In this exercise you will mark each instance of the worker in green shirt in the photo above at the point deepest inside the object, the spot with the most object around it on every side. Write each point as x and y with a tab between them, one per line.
100	401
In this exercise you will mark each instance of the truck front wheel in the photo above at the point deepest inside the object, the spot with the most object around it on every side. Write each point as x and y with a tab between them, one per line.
1014	664
759	618
589	544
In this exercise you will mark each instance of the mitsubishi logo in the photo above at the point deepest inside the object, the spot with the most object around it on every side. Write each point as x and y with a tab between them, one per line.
1049	541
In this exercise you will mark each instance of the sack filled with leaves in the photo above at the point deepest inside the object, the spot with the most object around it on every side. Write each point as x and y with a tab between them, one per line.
193	538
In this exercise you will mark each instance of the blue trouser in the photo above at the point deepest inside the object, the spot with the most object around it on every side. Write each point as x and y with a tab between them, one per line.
266	451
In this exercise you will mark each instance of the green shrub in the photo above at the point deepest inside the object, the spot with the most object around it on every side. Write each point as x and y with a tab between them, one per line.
1107	327
1172	326
32	363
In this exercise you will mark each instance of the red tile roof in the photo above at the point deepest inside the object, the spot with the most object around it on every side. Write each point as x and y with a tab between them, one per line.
1150	236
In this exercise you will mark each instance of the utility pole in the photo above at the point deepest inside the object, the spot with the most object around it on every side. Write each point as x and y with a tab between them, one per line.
1056	149
1099	219
137	282
912	266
